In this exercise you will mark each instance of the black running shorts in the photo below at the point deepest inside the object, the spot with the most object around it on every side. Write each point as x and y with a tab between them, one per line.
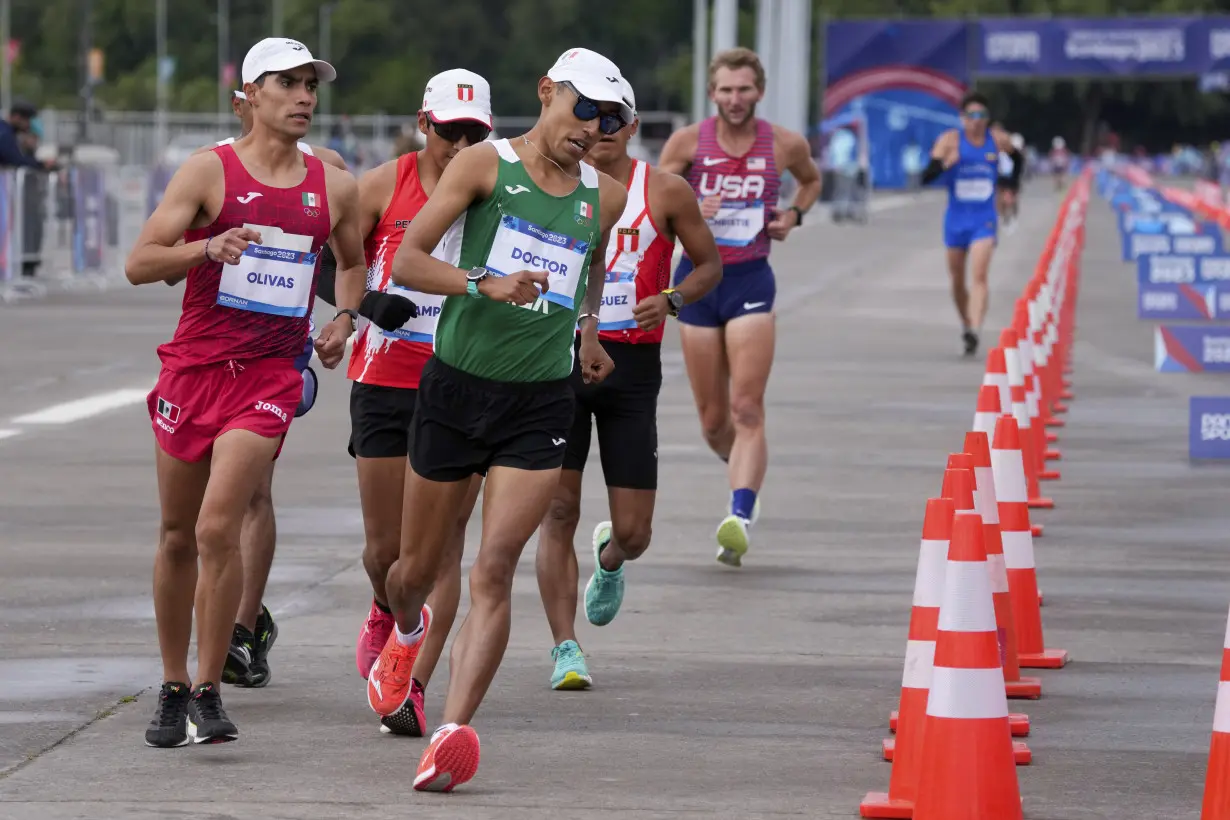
625	409
464	424
380	420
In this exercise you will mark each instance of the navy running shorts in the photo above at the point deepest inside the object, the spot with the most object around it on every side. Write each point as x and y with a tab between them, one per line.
746	288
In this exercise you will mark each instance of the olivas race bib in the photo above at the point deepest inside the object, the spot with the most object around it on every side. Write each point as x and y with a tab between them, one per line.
274	278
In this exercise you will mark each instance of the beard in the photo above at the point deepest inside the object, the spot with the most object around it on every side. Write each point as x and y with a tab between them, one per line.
751	113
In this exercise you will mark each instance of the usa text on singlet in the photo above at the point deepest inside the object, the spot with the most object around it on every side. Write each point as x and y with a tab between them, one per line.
748	186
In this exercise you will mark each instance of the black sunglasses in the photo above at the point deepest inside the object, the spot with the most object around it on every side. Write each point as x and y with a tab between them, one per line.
587	110
474	132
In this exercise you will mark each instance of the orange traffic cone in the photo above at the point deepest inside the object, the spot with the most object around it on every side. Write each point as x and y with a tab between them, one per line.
1016	686
1028	452
1217	779
1009	475
916	680
967	771
997	377
987	413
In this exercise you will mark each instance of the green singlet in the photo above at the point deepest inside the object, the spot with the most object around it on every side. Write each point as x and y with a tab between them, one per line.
521	227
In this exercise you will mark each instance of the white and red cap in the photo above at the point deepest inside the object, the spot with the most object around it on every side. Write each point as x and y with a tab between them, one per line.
595	77
275	54
458	95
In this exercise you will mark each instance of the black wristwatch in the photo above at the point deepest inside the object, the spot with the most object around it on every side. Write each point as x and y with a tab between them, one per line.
675	298
473	277
798	212
353	314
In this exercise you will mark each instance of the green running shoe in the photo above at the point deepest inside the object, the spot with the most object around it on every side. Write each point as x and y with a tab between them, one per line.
605	591
732	541
570	670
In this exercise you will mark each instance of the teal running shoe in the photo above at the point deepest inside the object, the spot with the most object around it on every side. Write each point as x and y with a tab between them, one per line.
570	669
605	591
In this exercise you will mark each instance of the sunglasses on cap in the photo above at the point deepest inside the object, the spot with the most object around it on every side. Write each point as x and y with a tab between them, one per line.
474	132
587	110
976	114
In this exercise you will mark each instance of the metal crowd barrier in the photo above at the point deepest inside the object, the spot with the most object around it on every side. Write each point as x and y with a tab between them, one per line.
58	229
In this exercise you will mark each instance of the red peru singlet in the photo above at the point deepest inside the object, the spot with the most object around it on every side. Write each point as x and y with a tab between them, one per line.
396	358
638	261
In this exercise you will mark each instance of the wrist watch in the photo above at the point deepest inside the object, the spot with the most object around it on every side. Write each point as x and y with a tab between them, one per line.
798	213
473	278
675	298
353	314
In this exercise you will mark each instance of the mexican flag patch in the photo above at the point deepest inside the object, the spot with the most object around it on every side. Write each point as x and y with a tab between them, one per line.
310	200
583	209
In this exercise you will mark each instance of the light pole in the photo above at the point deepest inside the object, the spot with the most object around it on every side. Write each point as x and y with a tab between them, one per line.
326	53
160	120
700	58
277	18
224	47
6	70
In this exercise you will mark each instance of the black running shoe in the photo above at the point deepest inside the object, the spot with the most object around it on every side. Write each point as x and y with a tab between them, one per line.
970	339
169	728
258	671
207	720
239	656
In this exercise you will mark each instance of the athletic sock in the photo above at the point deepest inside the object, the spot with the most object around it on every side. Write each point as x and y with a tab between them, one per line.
445	728
742	502
382	607
410	638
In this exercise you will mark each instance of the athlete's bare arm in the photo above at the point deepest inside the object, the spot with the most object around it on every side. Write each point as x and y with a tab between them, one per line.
193	199
595	363
375	193
684	220
947	148
796	158
342	194
329	157
469	177
680	150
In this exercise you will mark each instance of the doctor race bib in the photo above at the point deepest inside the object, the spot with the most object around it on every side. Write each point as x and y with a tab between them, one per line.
974	189
737	224
274	278
521	245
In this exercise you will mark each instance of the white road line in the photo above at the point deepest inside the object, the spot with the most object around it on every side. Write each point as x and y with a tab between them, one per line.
8	433
90	406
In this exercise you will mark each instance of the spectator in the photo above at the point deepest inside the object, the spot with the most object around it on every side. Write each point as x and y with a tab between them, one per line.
16	131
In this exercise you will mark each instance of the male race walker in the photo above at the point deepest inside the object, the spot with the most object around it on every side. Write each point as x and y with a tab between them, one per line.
636	300
495	397
733	161
247	222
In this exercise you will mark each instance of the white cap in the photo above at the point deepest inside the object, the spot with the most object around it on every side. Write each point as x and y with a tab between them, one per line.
239	95
593	76
456	95
629	94
281	54
1018	141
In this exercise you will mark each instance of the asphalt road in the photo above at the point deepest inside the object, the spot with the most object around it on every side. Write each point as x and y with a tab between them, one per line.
755	693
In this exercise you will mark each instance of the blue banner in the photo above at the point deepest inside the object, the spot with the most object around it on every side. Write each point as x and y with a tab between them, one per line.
1184	270
1185	349
1173	223
1209	427
905	78
1136	245
1177	302
1102	47
89	218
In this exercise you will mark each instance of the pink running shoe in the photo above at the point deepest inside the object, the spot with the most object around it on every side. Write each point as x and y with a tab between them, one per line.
409	720
372	638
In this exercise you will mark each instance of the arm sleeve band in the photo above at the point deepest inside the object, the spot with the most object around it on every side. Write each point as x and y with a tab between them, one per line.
328	277
932	172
